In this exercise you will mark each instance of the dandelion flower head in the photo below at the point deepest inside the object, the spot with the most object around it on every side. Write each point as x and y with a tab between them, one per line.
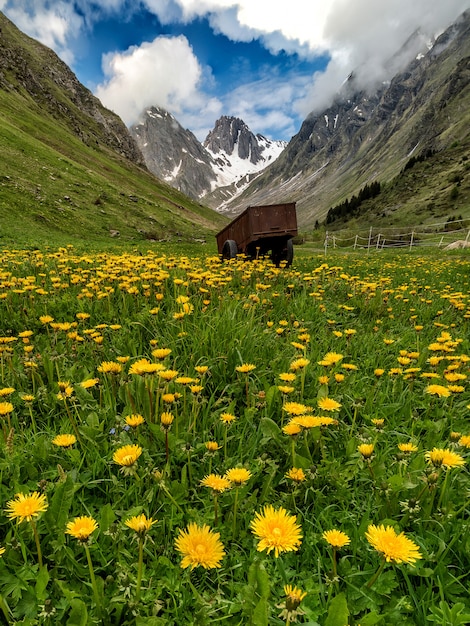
140	523
441	457
199	545
276	530
64	441
81	527
26	506
238	475
396	548
336	538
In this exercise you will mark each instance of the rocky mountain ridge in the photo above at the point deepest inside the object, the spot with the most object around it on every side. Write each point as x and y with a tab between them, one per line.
29	67
362	137
211	172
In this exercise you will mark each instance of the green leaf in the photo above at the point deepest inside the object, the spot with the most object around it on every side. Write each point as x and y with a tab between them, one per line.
269	428
371	619
260	614
41	583
78	614
107	517
338	612
57	514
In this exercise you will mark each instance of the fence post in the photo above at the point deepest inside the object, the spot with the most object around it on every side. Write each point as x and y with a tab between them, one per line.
378	241
326	241
468	235
440	243
368	243
355	242
411	239
334	242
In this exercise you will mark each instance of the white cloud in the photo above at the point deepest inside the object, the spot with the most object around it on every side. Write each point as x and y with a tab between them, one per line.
164	73
53	24
359	35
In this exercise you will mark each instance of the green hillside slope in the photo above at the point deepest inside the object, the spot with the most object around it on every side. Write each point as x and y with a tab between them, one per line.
69	170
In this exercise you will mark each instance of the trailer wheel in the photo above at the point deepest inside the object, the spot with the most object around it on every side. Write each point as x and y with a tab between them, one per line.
288	255
283	255
230	249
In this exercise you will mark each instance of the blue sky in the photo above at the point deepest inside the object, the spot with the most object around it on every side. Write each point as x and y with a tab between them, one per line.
269	62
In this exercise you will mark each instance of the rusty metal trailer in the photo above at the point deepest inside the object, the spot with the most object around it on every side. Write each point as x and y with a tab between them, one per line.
259	231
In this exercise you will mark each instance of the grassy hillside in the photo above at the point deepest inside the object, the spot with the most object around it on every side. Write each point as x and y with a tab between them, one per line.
69	170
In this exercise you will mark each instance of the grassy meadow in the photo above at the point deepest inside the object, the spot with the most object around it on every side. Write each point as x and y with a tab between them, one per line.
186	441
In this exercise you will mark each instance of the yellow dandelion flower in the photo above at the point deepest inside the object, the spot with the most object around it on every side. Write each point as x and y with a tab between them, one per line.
299	364
291	429
407	448
140	524
276	530
127	455
395	548
90	382
144	366
6	408
366	450
295	408
440	457
134	420
81	527
6	391
331	358
328	404
227	418
199	545
438	390
110	367
296	474
245	368
216	482
464	440
290	607
238	475
212	446
287	377
166	420
2	551
168	398
161	353
168	374
64	441
201	369
336	538
26	506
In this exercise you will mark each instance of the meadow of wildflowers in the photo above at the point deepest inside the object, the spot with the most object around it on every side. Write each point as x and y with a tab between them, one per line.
186	441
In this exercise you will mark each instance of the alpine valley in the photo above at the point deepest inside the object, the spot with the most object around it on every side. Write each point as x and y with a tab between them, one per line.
396	154
406	138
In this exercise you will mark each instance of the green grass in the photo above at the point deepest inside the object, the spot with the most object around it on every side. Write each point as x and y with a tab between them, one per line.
57	189
386	315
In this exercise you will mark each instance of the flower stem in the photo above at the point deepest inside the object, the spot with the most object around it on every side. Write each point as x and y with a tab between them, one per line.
36	539
139	569
376	575
4	610
235	508
93	580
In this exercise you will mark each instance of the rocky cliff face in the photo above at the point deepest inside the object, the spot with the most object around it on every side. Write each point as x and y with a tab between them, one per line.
363	136
30	68
212	172
173	153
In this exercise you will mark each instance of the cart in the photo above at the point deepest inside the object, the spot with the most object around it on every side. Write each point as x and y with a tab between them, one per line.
259	231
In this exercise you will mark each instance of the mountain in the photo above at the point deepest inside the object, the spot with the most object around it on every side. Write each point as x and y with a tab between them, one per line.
422	114
69	167
211	172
